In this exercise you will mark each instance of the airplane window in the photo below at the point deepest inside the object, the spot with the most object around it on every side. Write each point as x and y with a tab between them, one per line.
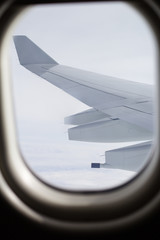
83	90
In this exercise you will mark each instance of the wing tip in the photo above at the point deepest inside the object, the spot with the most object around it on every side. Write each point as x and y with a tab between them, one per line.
29	53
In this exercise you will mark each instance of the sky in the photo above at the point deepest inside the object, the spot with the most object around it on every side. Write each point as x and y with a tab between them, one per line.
106	38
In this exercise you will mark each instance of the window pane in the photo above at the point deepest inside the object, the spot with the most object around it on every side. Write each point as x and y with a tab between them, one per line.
84	105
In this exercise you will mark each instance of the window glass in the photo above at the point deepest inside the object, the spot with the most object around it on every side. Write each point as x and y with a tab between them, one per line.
84	105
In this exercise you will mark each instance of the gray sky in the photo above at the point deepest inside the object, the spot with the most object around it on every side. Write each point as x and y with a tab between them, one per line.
107	38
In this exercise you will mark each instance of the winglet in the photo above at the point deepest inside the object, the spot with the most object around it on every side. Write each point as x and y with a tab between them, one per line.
29	53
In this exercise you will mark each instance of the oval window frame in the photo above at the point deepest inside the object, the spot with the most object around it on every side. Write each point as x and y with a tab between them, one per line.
57	207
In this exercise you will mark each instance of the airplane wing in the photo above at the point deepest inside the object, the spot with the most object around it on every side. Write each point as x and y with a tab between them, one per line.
120	110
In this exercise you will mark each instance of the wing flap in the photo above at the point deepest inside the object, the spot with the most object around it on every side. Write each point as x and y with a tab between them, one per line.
130	158
115	130
133	116
88	116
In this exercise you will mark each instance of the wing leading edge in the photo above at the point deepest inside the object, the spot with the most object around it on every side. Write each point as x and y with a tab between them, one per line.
120	110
